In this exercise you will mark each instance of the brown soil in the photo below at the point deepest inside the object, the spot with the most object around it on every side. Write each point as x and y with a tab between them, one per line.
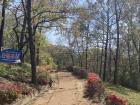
67	90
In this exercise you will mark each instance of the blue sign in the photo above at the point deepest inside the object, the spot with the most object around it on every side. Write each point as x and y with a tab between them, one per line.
10	56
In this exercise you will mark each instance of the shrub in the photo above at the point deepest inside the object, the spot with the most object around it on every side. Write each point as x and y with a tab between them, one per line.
94	88
82	73
44	68
26	90
7	96
10	86
9	92
11	95
115	100
16	73
42	78
69	68
75	71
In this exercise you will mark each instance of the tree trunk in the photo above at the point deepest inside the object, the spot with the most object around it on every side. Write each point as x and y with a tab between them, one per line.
106	45
129	51
97	57
86	54
139	58
37	54
102	53
22	35
2	23
101	64
110	59
31	41
72	58
87	42
117	49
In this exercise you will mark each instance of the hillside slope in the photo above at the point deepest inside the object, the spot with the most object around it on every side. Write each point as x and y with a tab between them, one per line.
132	96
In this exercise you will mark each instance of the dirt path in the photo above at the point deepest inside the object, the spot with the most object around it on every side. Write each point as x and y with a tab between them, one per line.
68	91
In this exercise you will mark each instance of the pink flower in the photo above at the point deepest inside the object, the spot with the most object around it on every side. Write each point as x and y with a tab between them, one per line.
93	77
116	100
9	86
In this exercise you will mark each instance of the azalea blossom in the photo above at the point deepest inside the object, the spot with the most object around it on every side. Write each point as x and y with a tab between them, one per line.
113	99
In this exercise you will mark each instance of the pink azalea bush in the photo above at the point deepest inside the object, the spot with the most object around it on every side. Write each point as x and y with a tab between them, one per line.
11	86
92	77
115	100
9	92
94	87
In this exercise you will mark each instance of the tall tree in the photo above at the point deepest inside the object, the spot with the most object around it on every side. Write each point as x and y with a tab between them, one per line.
117	14
107	37
31	40
2	23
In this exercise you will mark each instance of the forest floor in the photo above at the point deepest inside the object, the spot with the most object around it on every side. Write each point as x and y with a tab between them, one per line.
67	90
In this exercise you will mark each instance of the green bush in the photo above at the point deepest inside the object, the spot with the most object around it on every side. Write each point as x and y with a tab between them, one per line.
16	72
7	96
69	68
3	71
26	90
78	72
42	78
12	95
131	81
75	71
82	74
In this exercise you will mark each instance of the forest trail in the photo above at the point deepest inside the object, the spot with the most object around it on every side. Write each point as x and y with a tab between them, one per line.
67	91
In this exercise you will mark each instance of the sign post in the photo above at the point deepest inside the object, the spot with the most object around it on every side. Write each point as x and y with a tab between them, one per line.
10	56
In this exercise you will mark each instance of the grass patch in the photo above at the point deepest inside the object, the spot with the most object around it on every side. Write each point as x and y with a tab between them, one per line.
132	96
